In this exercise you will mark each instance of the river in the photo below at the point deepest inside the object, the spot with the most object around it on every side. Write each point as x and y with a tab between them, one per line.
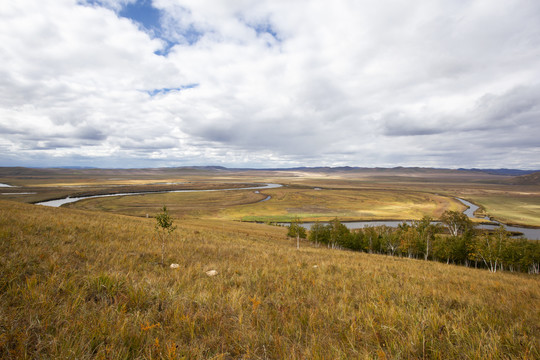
532	234
68	200
529	233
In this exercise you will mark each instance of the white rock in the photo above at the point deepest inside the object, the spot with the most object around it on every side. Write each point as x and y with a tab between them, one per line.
211	273
175	266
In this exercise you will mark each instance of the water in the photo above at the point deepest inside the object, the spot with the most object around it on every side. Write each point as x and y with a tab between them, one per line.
5	185
263	200
531	234
471	209
358	224
68	200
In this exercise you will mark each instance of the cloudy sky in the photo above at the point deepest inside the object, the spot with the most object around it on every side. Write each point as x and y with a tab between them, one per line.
270	83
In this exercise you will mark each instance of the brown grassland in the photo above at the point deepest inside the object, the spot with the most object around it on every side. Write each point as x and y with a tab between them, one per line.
284	205
85	281
79	284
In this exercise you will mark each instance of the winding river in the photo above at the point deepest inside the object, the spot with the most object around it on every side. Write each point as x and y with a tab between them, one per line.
532	234
68	200
529	233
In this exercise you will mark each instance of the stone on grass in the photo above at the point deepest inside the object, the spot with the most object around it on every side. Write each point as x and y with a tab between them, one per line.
175	266
211	272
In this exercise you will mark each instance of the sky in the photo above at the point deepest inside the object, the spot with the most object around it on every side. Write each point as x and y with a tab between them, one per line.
270	83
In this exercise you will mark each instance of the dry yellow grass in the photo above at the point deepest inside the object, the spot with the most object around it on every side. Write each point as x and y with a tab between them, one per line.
191	204
284	205
78	284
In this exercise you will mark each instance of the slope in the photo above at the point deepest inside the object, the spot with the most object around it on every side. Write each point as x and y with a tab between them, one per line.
78	284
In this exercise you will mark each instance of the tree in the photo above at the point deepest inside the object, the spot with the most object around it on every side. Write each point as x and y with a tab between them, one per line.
393	240
381	241
164	228
442	247
457	223
531	257
339	234
370	235
296	230
357	241
489	248
319	233
426	234
409	240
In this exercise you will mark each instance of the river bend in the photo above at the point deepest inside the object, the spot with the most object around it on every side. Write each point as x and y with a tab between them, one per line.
68	200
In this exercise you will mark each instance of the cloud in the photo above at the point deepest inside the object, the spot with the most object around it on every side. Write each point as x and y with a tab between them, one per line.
266	83
398	124
89	133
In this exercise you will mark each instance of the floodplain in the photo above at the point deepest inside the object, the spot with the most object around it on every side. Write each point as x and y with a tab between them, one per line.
310	194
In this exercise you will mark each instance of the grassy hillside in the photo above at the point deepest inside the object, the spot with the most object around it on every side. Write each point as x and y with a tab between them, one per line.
78	284
529	179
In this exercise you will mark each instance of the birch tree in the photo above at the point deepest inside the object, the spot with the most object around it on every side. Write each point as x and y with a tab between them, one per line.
457	223
490	248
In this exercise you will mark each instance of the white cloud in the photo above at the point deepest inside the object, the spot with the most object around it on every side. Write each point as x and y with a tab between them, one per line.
271	83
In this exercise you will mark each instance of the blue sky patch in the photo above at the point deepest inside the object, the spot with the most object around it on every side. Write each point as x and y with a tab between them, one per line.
150	19
265	28
155	92
261	27
189	36
166	48
143	13
192	35
146	15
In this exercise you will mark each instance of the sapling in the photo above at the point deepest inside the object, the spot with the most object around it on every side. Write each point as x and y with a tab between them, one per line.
296	230
164	228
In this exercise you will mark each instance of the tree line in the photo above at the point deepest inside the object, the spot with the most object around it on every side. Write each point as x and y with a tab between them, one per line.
454	240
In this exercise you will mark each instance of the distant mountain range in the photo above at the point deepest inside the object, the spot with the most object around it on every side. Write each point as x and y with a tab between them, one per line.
400	170
509	172
502	171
